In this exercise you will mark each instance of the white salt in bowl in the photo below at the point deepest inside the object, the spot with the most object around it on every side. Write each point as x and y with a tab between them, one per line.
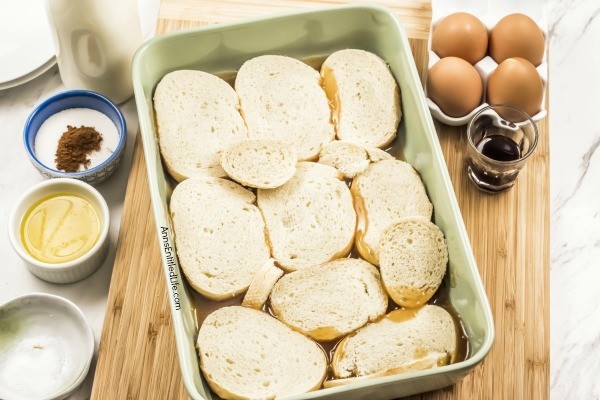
46	347
68	102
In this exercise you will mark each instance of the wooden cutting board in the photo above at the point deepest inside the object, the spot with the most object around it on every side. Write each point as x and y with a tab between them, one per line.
509	234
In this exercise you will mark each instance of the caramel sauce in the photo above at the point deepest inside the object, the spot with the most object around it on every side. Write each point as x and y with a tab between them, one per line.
403	314
365	251
315	61
442	298
331	91
410	297
202	306
323	332
228	76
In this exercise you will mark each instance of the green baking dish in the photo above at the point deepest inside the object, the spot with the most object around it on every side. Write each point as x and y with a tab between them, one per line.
303	35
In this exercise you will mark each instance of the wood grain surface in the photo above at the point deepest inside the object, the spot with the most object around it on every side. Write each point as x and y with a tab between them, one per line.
509	234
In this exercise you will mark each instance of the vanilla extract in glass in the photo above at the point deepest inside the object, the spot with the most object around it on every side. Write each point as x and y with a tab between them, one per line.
499	148
501	138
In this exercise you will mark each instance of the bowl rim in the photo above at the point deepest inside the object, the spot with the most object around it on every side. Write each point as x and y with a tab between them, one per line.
63	95
82	321
14	222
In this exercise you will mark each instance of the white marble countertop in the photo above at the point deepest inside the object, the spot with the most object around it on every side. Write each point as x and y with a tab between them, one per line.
575	190
575	199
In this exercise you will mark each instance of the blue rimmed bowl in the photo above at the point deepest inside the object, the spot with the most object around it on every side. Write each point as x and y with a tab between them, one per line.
76	99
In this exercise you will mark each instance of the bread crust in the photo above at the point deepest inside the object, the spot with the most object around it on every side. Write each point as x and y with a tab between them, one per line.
261	285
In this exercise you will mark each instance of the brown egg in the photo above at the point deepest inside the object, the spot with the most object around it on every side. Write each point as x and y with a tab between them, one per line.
517	35
455	86
516	83
460	35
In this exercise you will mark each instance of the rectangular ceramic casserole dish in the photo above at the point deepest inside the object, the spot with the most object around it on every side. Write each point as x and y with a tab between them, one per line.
301	35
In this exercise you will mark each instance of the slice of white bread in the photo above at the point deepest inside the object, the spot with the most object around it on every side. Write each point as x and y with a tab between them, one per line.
412	259
197	116
364	97
310	219
350	158
386	191
259	163
281	98
247	354
329	301
402	337
376	155
261	285
219	235
432	360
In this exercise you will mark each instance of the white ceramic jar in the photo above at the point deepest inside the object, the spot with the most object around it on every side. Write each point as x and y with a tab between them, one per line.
95	42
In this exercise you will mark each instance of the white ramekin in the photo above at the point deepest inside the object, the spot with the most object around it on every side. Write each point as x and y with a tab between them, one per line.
79	268
36	315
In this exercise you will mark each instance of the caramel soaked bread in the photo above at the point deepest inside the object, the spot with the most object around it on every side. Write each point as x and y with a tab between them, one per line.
431	360
247	354
412	259
398	341
364	97
331	300
386	191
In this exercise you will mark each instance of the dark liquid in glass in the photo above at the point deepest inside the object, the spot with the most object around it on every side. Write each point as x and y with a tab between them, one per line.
500	148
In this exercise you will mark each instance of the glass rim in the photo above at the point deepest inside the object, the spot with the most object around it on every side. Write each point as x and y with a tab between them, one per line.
528	119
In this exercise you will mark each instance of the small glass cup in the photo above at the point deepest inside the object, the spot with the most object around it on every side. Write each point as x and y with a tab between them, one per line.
501	139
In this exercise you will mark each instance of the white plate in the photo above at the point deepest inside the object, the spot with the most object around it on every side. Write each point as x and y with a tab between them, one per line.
26	48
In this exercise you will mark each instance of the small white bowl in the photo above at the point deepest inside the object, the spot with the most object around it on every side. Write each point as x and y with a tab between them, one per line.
79	268
46	347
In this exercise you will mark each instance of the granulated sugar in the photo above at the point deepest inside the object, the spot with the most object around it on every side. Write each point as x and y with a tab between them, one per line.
36	366
43	351
46	140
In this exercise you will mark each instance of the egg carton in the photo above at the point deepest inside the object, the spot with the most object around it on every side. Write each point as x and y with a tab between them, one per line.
489	12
